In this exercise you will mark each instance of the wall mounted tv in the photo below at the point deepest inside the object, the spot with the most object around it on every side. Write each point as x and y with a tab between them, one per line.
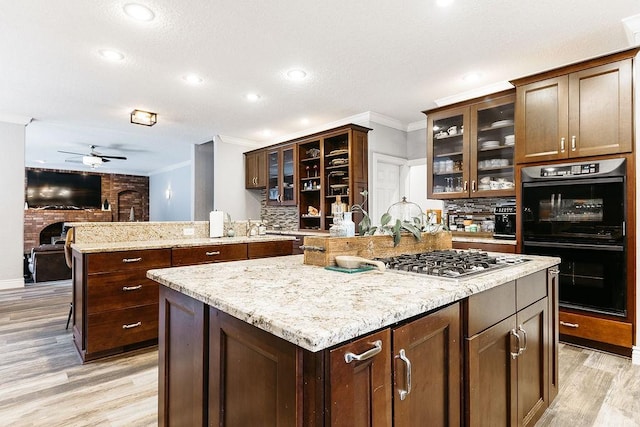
62	190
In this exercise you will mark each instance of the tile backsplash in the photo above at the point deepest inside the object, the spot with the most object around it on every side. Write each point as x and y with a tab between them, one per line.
286	217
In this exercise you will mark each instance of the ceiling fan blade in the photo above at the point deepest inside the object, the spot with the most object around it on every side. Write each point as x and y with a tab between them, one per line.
111	157
70	152
73	161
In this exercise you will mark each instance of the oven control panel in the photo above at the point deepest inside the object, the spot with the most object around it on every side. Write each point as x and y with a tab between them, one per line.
568	170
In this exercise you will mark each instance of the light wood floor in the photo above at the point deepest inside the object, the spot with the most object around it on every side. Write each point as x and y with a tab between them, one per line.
43	383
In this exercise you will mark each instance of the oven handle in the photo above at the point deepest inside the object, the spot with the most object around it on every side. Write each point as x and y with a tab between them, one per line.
610	248
553	181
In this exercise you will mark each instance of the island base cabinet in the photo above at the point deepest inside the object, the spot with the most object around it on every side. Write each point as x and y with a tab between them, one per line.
181	360
253	375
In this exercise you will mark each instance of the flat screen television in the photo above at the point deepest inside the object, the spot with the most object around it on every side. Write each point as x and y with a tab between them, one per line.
62	190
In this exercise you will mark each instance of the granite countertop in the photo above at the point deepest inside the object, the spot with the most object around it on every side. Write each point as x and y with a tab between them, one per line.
171	243
299	232
316	308
484	240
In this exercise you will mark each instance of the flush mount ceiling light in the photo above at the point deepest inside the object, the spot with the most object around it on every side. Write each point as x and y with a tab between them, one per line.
145	118
192	79
253	97
472	77
111	55
444	3
296	74
139	12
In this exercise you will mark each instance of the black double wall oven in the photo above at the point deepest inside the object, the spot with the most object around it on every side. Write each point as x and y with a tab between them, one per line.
576	211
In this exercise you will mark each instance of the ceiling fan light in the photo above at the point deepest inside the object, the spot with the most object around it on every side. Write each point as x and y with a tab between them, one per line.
145	118
91	160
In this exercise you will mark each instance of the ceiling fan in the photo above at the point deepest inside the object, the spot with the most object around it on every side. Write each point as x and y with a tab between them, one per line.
93	158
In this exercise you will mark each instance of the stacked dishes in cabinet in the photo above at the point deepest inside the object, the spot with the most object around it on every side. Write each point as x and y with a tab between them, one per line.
495	150
336	169
310	185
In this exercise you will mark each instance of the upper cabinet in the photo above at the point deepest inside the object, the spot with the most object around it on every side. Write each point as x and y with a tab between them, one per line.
255	163
470	149
578	111
281	188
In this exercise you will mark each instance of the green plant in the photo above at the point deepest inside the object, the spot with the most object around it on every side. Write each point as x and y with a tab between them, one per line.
365	228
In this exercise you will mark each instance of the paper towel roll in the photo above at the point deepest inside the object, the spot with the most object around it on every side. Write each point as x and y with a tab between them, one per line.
216	224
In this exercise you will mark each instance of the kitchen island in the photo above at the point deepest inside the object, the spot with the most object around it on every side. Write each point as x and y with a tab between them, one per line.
278	342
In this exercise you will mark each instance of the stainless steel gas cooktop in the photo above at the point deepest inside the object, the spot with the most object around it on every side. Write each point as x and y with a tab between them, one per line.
451	264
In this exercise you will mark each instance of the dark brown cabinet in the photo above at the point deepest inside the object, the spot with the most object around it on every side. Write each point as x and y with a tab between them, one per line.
255	164
508	352
281	176
586	112
193	255
470	149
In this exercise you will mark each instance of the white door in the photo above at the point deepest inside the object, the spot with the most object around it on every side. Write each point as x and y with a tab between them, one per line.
389	183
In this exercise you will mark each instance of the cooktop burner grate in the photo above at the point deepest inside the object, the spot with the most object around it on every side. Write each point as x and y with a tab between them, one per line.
450	264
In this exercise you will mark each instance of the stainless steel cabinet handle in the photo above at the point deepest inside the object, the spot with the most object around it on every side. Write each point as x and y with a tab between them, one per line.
573	143
133	325
473	186
554	270
522	349
402	356
562	145
466	185
350	357
212	253
569	325
131	288
515	334
132	259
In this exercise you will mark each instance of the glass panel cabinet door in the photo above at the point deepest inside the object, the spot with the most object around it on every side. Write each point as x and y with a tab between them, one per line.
273	187
492	146
288	183
448	158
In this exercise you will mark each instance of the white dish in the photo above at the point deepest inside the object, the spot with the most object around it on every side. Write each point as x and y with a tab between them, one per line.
489	144
501	123
337	152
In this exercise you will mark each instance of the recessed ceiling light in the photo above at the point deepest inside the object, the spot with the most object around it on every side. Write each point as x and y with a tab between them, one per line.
138	12
444	3
296	74
111	55
304	121
267	132
253	97
192	79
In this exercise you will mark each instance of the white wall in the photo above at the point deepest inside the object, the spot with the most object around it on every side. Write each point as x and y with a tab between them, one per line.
12	137
177	179
203	179
229	194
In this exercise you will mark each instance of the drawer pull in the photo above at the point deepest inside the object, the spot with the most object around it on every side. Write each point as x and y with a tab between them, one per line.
212	253
131	288
402	356
132	325
569	325
132	259
349	357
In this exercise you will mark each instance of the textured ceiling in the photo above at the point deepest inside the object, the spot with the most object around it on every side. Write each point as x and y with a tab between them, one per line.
390	57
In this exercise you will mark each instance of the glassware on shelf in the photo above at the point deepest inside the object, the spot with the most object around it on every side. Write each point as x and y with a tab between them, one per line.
349	225
337	229
459	188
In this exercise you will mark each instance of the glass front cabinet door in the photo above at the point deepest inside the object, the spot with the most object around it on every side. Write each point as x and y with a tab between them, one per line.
281	176
470	150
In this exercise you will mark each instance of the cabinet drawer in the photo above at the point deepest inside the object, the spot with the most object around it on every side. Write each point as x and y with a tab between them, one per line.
120	290
210	253
596	329
530	289
112	329
128	260
269	249
490	307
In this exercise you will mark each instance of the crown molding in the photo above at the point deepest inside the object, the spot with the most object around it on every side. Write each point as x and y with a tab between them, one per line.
632	28
15	119
227	139
474	93
170	168
421	124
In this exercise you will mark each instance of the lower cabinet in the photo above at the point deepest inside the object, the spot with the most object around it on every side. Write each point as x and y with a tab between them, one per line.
489	247
508	354
408	375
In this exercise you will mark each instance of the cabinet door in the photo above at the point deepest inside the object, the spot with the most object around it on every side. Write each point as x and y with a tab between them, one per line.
360	390
431	363
448	154
492	148
491	387
601	110
253	375
554	329
273	177
288	177
542	110
255	166
281	176
533	375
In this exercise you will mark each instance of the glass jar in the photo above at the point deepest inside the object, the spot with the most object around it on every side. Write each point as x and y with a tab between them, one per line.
337	229
349	225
